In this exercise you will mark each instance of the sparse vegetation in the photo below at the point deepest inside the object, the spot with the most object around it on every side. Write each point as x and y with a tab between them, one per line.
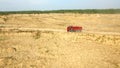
37	35
2	38
5	19
85	11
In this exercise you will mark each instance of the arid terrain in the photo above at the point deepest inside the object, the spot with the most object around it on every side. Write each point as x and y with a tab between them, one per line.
41	41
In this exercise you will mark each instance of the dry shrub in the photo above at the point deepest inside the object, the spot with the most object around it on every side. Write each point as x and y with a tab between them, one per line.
37	35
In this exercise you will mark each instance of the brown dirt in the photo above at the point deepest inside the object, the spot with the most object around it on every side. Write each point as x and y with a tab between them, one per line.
98	46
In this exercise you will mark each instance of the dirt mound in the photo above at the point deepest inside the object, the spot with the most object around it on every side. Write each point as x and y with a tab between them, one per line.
47	49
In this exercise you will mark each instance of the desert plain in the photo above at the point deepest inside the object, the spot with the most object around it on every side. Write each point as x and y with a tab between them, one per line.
41	41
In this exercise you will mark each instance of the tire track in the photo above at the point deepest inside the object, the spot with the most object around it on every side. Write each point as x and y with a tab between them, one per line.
54	30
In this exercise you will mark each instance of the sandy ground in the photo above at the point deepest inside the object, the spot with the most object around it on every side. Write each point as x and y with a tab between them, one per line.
41	41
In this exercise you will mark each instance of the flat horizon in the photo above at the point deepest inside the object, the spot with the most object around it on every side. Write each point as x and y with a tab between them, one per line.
25	5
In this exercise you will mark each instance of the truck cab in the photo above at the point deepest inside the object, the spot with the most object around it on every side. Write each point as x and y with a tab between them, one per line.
74	29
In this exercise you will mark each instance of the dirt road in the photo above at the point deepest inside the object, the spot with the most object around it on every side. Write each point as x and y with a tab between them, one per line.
55	30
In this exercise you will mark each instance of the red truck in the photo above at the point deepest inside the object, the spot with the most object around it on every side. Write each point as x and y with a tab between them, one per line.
74	29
